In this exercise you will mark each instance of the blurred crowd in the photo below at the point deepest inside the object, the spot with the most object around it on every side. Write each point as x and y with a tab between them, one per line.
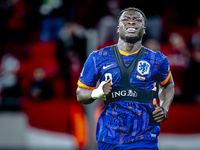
44	44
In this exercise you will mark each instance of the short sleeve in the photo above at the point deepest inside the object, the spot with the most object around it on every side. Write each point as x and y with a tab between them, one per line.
88	77
164	72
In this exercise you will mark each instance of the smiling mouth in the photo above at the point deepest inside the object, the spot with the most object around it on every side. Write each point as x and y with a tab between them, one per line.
131	30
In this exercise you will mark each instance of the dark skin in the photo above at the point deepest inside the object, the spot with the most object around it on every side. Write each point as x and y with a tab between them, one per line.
131	30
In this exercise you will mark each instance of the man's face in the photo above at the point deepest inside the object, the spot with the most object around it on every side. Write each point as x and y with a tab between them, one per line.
131	26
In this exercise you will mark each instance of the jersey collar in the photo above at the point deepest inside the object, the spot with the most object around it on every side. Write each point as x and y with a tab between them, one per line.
127	54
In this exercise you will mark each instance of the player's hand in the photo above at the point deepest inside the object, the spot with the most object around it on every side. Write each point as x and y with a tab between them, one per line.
103	90
159	114
107	87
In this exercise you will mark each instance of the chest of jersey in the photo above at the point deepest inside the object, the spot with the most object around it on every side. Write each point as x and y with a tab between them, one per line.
143	76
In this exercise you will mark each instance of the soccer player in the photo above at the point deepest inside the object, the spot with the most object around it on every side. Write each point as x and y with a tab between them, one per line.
128	74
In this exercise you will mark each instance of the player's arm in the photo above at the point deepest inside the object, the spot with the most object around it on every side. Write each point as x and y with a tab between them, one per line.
84	95
87	96
166	95
166	91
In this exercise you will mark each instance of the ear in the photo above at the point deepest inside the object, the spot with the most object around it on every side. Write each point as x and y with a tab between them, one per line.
117	29
144	30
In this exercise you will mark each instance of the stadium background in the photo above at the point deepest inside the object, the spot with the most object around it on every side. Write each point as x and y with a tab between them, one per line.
43	46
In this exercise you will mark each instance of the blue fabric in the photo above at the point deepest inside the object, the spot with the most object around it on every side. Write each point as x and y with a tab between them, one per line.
50	28
140	145
126	121
102	63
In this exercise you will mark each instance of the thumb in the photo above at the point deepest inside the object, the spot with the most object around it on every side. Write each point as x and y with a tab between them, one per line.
108	81
155	105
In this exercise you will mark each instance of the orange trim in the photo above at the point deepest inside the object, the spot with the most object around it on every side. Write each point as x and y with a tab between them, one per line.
127	54
166	80
80	84
153	85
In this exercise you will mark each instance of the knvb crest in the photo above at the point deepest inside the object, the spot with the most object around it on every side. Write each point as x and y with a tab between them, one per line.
143	67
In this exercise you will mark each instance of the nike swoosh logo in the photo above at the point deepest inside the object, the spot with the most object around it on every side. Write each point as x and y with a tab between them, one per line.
104	67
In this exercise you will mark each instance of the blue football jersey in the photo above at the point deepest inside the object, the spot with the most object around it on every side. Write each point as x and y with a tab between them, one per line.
126	121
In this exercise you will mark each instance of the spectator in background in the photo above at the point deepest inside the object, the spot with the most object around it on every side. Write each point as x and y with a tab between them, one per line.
71	53
152	44
9	85
196	36
192	76
154	28
191	89
75	68
107	25
53	19
73	38
40	89
178	55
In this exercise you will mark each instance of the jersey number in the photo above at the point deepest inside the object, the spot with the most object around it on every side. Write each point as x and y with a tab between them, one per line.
108	76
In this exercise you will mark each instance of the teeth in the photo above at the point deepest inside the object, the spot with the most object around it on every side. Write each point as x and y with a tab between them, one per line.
131	29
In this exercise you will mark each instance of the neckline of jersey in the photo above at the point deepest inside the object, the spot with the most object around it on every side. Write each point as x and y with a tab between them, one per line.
127	54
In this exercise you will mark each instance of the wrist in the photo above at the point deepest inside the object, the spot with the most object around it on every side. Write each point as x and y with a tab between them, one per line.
163	109
164	112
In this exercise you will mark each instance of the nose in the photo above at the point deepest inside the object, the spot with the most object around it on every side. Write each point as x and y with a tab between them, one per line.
131	22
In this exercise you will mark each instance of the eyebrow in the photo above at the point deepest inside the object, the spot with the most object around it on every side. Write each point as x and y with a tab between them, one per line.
135	17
